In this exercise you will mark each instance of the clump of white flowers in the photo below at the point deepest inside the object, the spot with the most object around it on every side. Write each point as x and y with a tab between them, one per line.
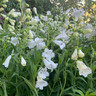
83	69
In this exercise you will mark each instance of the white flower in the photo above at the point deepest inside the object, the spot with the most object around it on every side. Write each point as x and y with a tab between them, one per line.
50	64
36	18
83	69
31	44
14	41
74	55
35	10
40	83
6	63
23	61
60	43
48	53
39	43
43	73
48	13
81	54
63	35
77	13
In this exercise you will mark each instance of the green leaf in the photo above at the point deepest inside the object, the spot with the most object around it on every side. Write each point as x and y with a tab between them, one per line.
79	92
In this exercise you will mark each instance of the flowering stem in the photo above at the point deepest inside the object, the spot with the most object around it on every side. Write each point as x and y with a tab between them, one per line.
91	85
64	84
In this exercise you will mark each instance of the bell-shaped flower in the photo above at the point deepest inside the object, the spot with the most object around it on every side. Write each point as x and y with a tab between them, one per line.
23	61
74	55
43	73
48	53
7	61
81	54
40	83
83	69
61	44
39	43
50	64
31	44
14	41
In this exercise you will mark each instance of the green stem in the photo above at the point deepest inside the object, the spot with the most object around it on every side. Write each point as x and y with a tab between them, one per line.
52	89
63	86
4	88
91	85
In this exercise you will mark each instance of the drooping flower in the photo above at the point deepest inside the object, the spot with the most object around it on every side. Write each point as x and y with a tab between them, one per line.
81	54
40	83
39	43
48	13
14	41
50	64
83	69
31	44
23	61
74	55
77	13
43	73
61	44
7	61
48	53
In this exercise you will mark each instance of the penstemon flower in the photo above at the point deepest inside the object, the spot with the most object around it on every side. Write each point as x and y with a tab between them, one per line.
43	73
50	64
83	69
40	83
7	61
14	41
48	53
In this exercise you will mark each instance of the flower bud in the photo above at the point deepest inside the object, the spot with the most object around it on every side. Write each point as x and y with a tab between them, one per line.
23	61
30	35
35	10
28	11
81	54
74	55
1	9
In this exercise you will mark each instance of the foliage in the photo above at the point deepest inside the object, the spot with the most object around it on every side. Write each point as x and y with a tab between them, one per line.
28	41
